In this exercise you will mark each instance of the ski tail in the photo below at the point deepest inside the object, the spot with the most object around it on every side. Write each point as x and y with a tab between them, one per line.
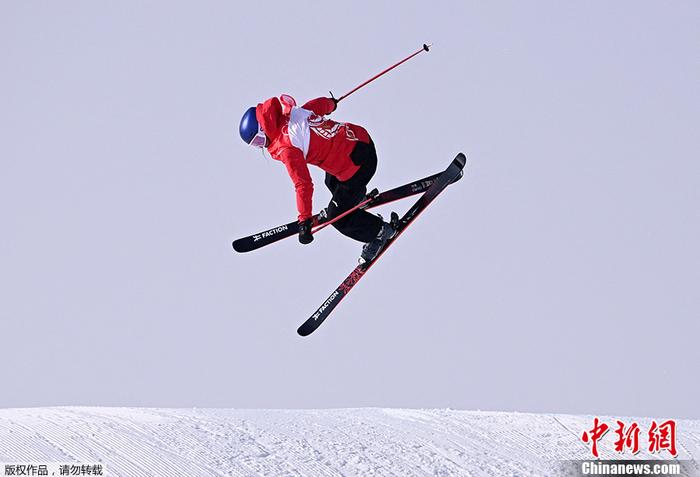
452	174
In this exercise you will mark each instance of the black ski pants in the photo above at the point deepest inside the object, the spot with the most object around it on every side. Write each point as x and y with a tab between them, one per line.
360	225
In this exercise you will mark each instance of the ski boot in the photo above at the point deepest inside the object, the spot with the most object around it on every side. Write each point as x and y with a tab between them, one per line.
371	250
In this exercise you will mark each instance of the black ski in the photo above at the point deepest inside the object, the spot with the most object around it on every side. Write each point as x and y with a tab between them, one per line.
451	174
256	241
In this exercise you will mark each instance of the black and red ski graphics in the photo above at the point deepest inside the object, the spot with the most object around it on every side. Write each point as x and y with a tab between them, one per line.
275	234
451	174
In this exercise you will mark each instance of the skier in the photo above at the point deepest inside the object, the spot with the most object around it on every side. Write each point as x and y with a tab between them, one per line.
300	136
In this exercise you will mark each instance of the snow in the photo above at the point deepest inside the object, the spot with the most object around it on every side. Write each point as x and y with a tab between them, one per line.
338	442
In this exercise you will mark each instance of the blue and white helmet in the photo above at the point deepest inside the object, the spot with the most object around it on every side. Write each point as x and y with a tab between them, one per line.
249	125
250	130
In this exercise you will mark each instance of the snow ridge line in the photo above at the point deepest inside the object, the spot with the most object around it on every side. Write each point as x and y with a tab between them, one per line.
342	442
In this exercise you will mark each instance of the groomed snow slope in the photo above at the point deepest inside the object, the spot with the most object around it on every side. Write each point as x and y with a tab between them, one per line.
342	442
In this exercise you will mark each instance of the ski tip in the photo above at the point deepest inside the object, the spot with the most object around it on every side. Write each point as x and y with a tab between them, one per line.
461	159
304	331
237	246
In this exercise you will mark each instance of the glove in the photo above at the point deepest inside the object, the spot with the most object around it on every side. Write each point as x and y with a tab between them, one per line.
305	236
335	103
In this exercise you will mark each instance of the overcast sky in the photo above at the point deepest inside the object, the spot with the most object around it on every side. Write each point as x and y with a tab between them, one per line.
560	275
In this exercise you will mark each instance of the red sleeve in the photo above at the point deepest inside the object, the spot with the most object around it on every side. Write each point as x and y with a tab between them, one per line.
298	171
320	106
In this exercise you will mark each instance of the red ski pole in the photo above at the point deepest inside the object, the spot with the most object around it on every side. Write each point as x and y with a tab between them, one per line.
425	48
370	197
335	219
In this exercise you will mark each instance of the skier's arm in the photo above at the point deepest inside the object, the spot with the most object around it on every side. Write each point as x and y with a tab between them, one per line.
321	106
298	171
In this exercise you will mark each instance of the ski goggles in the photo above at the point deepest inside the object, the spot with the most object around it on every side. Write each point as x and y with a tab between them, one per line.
259	140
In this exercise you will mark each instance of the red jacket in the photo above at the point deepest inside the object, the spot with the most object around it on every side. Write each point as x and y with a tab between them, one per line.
301	136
